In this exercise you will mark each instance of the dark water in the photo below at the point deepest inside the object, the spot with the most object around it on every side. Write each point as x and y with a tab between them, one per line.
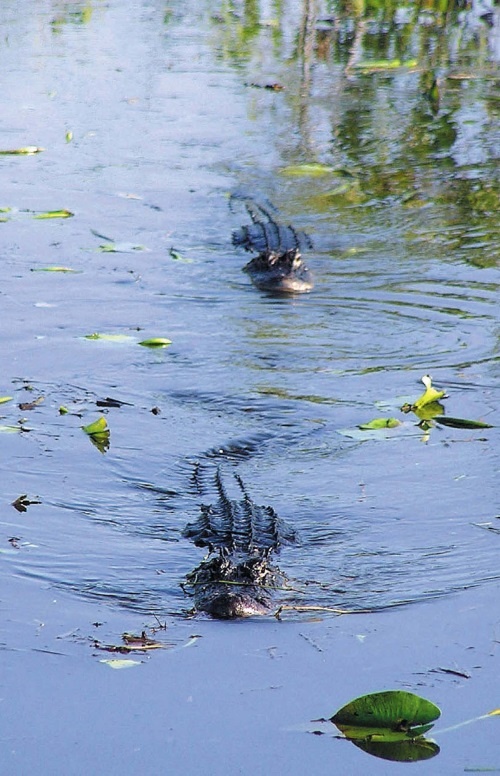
404	218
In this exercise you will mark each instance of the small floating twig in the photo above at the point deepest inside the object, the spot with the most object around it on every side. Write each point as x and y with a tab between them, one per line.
313	608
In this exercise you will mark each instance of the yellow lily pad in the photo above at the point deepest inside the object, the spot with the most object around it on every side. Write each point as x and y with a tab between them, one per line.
430	394
385	64
55	214
314	169
109	337
99	426
27	150
380	423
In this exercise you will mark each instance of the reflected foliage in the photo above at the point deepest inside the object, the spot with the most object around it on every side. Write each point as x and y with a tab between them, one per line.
401	98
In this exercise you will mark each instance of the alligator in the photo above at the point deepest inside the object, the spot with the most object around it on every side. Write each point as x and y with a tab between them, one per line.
278	267
237	576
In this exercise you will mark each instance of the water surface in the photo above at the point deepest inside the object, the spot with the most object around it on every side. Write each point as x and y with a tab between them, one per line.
168	117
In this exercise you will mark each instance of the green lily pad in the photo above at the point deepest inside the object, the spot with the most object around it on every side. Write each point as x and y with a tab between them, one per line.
122	247
176	256
387	716
427	412
380	423
55	214
54	268
385	64
109	337
315	170
430	394
99	426
155	342
98	433
26	151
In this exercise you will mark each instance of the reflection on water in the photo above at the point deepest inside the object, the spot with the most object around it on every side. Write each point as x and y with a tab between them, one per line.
395	113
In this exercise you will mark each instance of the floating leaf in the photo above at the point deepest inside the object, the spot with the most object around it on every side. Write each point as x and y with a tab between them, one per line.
427	412
460	422
30	405
315	170
430	394
98	433
176	256
156	342
123	247
110	402
63	410
121	663
386	716
109	337
141	643
10	429
69	136
20	151
4	399
54	268
99	426
55	214
380	423
23	502
385	64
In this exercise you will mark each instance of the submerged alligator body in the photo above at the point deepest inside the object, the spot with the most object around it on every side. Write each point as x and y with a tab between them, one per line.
237	577
278	267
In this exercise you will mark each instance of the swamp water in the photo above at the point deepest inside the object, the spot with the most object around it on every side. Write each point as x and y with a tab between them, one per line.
379	136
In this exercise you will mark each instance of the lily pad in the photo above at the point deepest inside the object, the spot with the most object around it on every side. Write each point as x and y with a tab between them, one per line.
97	427
26	151
430	394
123	247
393	715
385	64
176	256
427	412
380	423
55	214
98	433
156	342
54	268
315	170
109	337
